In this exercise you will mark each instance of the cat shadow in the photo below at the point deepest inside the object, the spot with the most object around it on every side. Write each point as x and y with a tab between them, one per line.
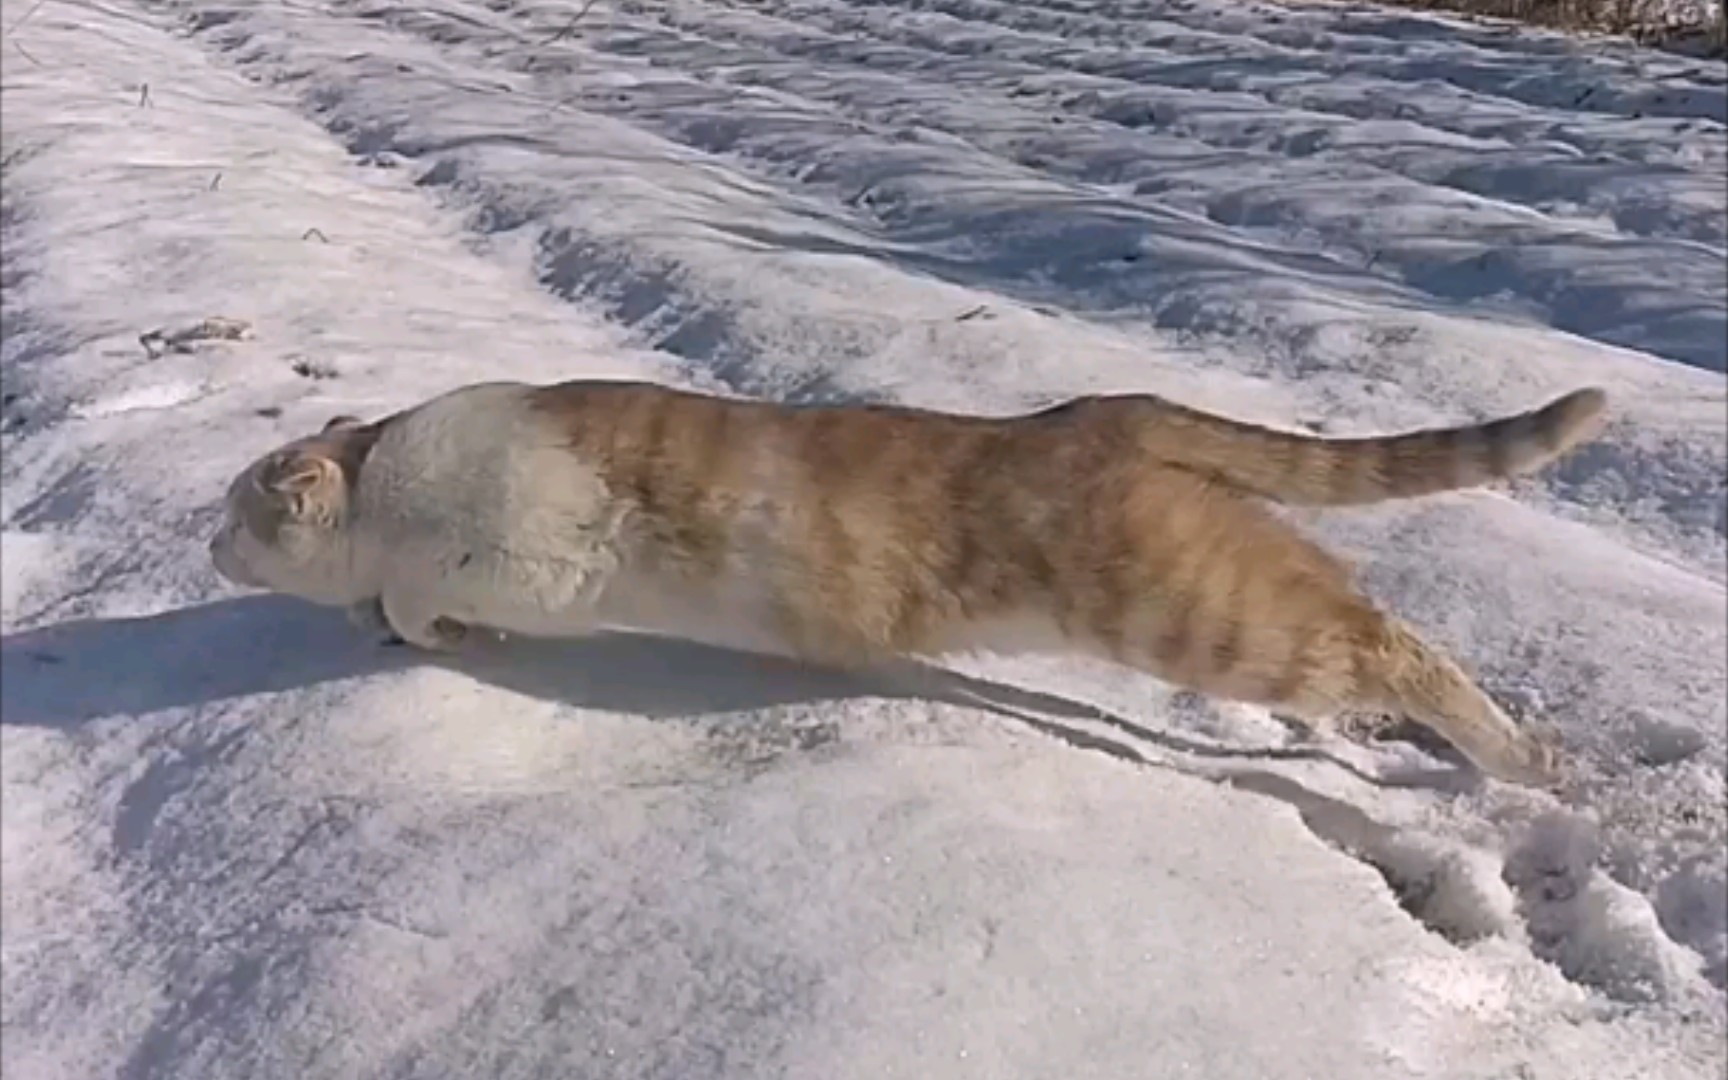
68	674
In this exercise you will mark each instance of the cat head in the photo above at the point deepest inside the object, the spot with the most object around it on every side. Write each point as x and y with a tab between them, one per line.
286	516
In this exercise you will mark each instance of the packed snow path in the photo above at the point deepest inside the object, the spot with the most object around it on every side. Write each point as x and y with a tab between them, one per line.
239	841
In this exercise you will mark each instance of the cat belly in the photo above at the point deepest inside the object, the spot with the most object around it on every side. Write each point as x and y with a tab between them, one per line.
734	614
557	600
1021	633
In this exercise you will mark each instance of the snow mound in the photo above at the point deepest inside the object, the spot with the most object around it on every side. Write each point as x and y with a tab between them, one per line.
239	840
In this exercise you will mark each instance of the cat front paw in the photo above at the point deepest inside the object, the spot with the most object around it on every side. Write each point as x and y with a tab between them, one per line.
1537	759
368	617
442	635
446	634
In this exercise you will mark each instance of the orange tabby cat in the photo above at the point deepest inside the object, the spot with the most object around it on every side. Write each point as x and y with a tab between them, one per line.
1124	527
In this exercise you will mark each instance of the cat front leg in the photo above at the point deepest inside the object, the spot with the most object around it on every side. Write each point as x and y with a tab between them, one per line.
419	622
368	617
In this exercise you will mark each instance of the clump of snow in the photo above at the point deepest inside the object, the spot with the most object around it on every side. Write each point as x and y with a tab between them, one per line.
240	840
1659	742
1454	888
1692	903
1598	931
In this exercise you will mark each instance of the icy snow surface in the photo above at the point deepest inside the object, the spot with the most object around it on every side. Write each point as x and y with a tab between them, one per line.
242	842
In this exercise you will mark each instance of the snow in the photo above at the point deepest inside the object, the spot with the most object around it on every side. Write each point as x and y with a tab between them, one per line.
240	841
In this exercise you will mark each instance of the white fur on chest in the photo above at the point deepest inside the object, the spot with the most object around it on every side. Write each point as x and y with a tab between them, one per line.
473	507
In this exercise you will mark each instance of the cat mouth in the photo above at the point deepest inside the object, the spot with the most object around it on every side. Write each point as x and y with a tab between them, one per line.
229	567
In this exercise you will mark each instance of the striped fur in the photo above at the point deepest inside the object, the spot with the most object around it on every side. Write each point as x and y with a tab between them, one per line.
1125	527
1308	471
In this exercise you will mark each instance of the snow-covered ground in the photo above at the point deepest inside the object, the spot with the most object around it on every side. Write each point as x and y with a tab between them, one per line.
241	841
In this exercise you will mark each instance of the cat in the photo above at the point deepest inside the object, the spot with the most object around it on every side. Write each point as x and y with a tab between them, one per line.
1124	527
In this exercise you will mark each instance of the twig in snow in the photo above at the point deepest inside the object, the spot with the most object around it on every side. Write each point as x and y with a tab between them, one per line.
973	313
25	53
319	233
570	27
144	95
362	911
313	369
215	328
215	181
1372	259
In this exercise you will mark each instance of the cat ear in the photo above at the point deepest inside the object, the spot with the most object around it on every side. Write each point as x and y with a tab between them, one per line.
308	481
343	423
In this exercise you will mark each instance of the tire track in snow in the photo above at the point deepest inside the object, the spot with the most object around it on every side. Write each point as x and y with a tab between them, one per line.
1459	249
1112	84
1327	42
